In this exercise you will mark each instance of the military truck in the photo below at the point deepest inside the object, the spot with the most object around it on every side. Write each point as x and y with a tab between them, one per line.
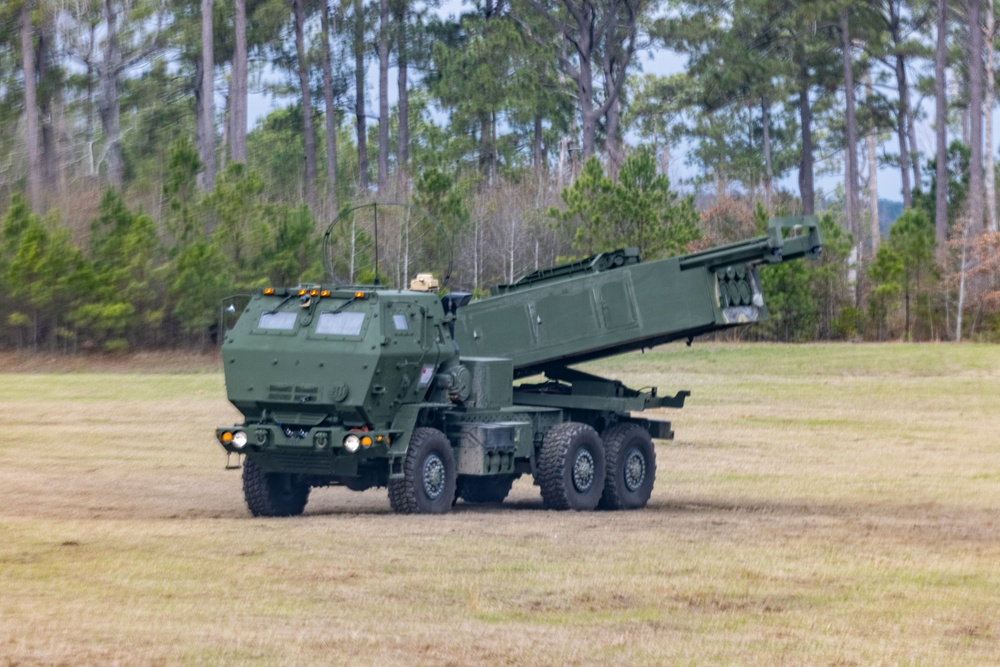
444	397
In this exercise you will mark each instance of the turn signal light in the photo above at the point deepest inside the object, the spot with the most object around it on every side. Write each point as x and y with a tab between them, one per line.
366	441
226	437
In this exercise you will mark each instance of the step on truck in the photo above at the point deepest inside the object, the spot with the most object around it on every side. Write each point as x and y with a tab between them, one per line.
438	398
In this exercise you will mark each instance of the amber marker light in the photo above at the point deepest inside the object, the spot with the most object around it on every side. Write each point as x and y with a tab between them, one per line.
325	292
314	292
366	441
226	437
359	295
268	291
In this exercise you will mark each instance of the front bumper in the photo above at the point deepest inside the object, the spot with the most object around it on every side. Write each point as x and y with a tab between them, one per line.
302	439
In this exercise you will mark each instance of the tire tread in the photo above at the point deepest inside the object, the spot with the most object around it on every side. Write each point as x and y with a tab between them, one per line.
557	494
263	499
616	496
403	492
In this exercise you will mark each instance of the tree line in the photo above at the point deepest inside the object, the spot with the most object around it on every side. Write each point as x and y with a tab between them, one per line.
519	133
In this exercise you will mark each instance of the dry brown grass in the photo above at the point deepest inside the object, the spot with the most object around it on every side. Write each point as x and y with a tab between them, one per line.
163	361
822	505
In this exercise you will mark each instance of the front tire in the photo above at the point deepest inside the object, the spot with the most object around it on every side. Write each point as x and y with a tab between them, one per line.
273	493
571	467
428	483
631	467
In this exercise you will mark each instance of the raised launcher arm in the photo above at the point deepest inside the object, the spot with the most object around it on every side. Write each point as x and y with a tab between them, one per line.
613	303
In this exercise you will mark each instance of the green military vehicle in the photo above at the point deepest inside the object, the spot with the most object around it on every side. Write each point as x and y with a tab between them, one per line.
433	398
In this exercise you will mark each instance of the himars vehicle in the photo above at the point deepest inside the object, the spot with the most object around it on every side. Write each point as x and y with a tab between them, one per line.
432	396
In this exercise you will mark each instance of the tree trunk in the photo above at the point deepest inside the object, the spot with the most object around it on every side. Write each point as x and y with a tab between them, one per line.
359	92
536	146
485	147
765	113
991	190
308	135
941	126
876	234
403	103
911	131
588	117
63	144
851	168
616	152
109	105
206	148
44	60
902	103
238	87
561	170
31	110
901	117
960	307
88	125
226	129
975	118
806	190
199	117
383	93
330	113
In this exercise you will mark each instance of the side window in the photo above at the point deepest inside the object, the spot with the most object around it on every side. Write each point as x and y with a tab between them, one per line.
402	323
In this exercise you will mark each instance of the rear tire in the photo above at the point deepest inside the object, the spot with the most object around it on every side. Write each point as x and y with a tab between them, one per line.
571	467
631	467
428	483
491	490
273	493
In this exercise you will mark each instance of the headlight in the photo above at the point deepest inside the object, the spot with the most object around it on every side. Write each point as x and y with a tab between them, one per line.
240	439
352	443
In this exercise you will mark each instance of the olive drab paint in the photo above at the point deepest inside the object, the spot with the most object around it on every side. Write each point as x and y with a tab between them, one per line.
364	386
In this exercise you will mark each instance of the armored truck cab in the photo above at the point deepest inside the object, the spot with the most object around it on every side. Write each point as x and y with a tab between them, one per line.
365	386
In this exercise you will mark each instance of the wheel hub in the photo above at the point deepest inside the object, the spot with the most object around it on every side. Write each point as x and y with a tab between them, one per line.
434	476
635	469
583	471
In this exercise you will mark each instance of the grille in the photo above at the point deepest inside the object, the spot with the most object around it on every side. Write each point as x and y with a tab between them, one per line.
293	394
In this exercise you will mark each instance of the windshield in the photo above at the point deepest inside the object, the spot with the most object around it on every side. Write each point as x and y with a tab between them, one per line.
340	324
280	321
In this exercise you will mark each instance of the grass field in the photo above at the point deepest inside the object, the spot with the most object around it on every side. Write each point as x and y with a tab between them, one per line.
821	505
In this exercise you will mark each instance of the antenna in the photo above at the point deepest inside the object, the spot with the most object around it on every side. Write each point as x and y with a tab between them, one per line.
375	208
328	240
